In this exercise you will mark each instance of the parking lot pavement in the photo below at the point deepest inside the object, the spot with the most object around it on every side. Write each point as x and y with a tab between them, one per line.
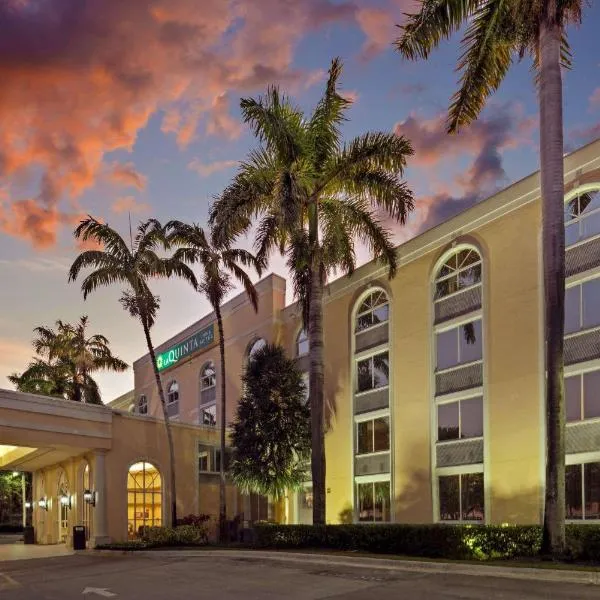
218	578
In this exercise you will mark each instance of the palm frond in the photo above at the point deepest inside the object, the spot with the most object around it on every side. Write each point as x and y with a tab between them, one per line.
112	242
437	20
489	44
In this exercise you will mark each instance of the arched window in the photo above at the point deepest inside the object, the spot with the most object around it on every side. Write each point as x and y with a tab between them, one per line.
64	506
142	405
173	399
461	270
256	345
144	498
458	391
373	310
372	417
302	345
86	509
208	394
582	216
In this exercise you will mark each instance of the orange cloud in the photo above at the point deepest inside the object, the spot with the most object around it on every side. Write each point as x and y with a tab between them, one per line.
207	169
127	175
129	204
81	80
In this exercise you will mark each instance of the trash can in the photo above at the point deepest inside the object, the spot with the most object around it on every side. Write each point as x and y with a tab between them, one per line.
79	537
28	535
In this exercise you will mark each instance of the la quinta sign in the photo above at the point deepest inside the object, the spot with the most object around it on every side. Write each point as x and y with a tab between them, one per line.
173	355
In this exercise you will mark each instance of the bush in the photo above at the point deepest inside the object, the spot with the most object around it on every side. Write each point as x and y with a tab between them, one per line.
183	535
197	520
475	542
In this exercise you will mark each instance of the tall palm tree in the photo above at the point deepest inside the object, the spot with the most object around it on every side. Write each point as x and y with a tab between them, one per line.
133	267
219	264
66	359
315	195
498	32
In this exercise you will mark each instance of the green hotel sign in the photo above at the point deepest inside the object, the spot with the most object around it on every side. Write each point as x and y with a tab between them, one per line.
173	355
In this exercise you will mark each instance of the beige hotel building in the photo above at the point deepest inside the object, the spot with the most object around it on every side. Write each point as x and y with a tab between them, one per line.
434	382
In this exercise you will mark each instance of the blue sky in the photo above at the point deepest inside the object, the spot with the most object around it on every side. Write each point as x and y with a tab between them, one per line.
135	108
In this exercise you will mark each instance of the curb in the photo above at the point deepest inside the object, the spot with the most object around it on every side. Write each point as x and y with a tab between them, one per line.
382	564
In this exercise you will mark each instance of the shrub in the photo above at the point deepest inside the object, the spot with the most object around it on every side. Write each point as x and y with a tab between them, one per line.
6	528
197	520
191	535
183	535
478	542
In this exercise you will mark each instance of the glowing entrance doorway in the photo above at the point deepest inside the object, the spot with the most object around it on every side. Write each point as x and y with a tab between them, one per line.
144	498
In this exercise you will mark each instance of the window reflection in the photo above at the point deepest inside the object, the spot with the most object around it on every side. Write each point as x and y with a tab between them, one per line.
460	271
462	344
461	497
374	310
582	217
374	501
373	372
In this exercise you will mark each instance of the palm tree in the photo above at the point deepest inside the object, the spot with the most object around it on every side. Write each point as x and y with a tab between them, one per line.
133	267
315	195
65	361
498	32
219	262
84	355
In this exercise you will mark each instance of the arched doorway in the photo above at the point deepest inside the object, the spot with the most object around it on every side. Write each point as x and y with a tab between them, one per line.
64	506
144	497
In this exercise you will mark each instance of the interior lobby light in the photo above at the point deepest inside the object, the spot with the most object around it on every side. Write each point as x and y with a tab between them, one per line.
16	473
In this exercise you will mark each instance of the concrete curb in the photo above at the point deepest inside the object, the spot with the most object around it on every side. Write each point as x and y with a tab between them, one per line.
383	564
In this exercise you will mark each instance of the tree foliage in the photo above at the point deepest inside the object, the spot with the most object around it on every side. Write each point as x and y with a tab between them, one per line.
271	434
66	358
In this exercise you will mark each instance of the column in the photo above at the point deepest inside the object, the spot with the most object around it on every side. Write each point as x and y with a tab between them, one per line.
101	508
24	499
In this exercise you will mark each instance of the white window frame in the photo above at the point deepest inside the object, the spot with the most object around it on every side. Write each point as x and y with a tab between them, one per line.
202	408
459	397
456	273
582	458
580	220
372	479
301	333
369	355
365	418
142	403
456	324
578	282
208	365
459	470
371	310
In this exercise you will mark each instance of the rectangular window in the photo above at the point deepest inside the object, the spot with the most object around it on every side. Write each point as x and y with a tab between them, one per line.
203	462
208	415
462	419
373	372
582	491
582	306
582	396
374	501
461	497
373	436
459	345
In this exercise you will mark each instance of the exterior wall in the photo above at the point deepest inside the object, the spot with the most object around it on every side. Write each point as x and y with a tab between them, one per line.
241	327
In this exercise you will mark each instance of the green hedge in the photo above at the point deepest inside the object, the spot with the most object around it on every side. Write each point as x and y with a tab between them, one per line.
163	537
5	528
458	542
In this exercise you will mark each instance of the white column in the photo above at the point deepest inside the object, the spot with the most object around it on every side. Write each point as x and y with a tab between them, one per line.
101	508
24	499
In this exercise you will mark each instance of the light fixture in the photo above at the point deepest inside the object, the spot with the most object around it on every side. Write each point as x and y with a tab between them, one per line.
89	497
65	500
43	503
27	504
16	473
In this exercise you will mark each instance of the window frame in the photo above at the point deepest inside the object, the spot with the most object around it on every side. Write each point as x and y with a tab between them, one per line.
208	365
578	282
456	324
459	397
582	216
476	469
299	341
371	310
580	374
170	393
203	408
370	355
372	479
456	272
581	460
371	417
142	402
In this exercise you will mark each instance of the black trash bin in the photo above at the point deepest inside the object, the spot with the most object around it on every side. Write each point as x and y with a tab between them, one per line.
28	535
79	537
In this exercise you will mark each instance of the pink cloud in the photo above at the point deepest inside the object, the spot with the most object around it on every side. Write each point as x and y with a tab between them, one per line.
595	99
207	169
82	79
127	175
129	204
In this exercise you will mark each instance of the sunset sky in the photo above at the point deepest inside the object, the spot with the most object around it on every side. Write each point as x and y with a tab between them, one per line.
110	107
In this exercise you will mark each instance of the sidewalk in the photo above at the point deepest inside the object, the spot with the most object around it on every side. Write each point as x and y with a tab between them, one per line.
20	551
389	565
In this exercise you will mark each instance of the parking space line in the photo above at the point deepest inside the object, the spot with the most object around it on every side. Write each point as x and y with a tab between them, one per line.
6	582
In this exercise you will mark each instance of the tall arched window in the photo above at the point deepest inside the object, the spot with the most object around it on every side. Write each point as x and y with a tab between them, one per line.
208	394
458	391
142	405
256	345
63	495
302	345
86	509
372	417
144	497
581	353
173	399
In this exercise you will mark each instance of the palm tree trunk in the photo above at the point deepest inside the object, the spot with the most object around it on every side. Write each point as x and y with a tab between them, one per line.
222	499
161	394
316	377
553	240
